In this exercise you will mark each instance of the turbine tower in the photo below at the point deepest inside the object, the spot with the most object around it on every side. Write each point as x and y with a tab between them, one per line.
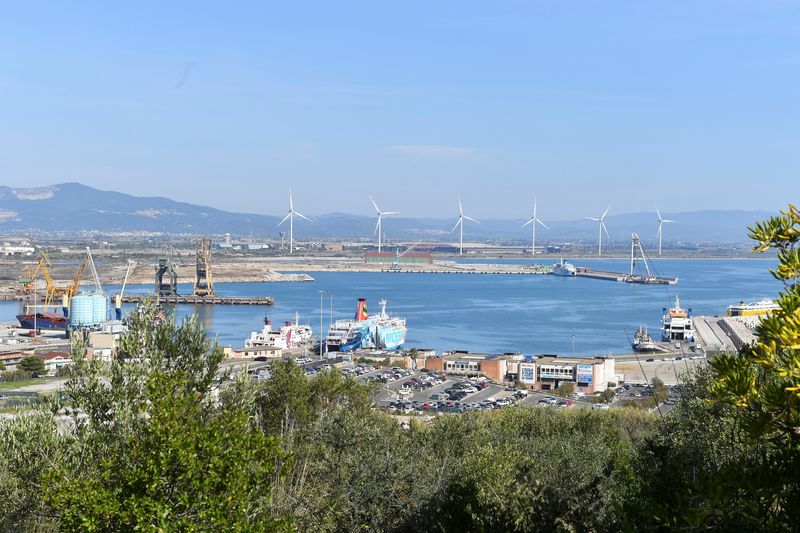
533	221
461	217
661	222
381	214
601	229
290	217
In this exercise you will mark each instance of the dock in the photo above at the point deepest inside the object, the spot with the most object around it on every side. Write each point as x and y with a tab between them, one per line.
624	277
202	300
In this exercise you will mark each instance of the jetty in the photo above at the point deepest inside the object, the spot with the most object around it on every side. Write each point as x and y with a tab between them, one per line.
192	299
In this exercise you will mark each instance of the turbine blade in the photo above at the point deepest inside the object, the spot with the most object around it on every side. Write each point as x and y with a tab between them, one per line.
605	229
285	218
378	225
472	219
390	213
460	207
658	235
665	221
543	224
303	216
606	212
457	223
528	222
377	209
659	214
291	204
592	218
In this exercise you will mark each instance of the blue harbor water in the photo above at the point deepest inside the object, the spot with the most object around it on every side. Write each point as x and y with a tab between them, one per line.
492	313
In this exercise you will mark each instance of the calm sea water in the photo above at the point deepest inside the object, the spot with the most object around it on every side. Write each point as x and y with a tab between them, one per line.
493	313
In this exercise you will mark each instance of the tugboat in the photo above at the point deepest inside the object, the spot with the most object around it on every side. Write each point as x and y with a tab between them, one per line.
643	342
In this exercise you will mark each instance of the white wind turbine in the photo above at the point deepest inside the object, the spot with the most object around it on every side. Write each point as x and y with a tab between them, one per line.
381	214
461	217
661	222
601	229
290	217
533	221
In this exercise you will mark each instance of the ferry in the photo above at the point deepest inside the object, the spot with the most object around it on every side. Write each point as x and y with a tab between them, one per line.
289	335
381	331
762	307
563	268
677	323
643	342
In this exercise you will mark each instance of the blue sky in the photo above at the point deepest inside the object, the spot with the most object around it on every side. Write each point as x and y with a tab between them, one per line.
687	104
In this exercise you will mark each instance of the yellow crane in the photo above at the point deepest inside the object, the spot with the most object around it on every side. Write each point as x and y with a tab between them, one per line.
52	292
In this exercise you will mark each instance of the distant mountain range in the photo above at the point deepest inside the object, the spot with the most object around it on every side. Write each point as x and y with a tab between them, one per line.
72	207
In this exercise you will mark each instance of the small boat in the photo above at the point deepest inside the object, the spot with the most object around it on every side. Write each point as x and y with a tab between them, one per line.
643	342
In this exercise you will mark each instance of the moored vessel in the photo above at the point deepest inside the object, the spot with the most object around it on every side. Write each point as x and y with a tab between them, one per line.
762	307
643	342
42	320
382	331
563	268
289	335
677	323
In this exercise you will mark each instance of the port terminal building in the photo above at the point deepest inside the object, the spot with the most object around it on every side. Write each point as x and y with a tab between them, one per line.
537	372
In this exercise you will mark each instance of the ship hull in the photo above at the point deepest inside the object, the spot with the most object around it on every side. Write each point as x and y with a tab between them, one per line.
42	321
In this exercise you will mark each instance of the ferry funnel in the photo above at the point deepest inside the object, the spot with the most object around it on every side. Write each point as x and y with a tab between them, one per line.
361	311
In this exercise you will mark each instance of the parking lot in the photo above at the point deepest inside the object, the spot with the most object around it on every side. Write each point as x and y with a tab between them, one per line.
409	391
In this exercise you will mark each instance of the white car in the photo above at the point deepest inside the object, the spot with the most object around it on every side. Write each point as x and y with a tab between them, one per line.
600	406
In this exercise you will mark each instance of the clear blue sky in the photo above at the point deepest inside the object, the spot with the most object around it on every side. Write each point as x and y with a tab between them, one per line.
687	104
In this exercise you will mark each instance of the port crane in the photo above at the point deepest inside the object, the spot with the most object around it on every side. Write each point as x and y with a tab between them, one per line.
118	298
52	292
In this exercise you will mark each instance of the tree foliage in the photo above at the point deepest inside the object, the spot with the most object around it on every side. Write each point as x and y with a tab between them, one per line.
33	364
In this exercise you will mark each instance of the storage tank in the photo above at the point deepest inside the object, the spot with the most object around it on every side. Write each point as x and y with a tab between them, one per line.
81	311
99	308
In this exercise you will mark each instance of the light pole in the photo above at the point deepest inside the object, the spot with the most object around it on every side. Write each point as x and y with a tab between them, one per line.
321	293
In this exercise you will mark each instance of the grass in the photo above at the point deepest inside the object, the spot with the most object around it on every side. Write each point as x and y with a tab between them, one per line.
11	385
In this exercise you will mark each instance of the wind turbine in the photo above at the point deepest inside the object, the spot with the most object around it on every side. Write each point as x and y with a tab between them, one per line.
601	229
378	227
290	217
461	217
661	222
533	221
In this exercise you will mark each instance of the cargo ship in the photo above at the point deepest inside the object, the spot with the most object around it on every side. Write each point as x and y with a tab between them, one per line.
382	332
42	320
763	307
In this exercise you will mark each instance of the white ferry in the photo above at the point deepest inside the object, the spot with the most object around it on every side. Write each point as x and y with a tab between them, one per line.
563	268
677	323
289	335
762	307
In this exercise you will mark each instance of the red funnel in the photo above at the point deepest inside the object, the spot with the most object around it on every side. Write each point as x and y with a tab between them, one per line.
361	311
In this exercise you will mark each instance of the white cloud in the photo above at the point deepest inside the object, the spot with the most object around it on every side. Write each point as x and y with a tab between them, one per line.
433	150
